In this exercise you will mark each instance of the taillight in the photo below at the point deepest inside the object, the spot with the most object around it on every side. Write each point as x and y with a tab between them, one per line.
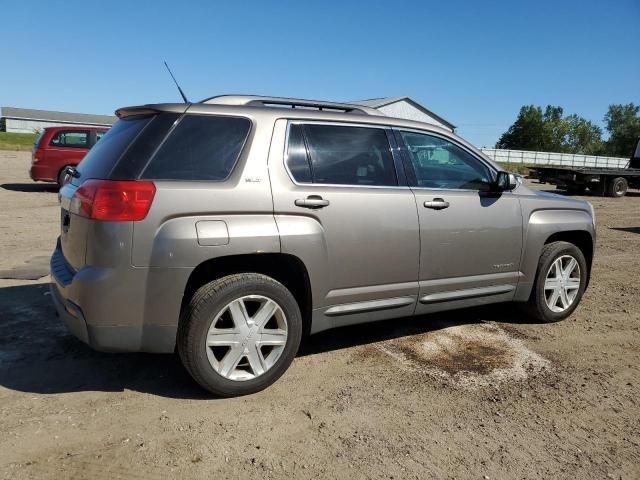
36	155
115	201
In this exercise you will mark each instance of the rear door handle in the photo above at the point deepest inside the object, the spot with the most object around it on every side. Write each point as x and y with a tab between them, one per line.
437	204
312	201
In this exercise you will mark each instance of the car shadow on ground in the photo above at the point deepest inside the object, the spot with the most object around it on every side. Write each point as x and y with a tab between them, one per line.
30	187
626	229
38	355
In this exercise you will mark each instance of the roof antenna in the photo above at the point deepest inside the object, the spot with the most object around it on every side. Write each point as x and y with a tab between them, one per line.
184	97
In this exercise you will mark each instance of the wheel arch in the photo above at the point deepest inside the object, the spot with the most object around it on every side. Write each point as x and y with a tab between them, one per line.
581	239
546	226
285	268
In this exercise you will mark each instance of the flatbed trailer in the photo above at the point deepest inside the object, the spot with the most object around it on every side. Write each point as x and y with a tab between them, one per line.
613	182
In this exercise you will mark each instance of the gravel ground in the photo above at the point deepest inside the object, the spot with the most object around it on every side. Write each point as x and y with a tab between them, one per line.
478	393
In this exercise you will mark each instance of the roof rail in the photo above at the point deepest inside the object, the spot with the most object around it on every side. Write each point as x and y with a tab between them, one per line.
259	101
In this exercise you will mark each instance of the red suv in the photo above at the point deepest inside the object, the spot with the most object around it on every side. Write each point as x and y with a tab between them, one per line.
61	147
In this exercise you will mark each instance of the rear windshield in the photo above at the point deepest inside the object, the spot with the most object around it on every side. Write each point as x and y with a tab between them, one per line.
101	159
200	147
39	139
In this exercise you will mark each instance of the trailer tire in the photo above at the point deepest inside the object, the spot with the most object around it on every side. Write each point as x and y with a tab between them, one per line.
617	187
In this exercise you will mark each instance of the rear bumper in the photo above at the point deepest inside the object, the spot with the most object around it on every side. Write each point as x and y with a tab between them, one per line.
103	308
42	173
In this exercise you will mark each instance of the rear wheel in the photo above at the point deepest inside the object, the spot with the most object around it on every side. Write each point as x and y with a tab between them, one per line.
560	282
239	334
617	187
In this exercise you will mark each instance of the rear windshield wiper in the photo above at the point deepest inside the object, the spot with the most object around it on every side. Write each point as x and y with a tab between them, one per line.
73	171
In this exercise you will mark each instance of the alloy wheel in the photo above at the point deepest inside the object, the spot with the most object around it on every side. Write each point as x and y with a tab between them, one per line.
562	283
246	337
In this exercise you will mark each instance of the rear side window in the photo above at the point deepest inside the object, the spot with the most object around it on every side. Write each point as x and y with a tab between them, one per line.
101	159
297	158
200	147
344	155
70	139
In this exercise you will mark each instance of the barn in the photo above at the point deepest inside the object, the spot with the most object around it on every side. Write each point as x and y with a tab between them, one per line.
405	107
27	120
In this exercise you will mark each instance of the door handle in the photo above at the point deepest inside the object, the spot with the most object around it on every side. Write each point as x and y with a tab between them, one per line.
437	204
312	201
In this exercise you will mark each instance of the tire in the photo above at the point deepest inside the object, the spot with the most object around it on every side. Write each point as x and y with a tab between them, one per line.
617	187
538	305
213	303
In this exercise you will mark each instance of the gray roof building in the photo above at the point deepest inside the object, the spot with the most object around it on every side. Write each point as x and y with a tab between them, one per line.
405	107
27	120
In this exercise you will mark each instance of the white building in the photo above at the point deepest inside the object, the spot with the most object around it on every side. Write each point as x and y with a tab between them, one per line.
406	107
26	120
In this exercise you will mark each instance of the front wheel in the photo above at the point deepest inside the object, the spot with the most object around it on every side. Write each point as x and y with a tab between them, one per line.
560	282
239	334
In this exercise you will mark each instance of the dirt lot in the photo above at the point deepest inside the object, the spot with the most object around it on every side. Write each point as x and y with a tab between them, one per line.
470	394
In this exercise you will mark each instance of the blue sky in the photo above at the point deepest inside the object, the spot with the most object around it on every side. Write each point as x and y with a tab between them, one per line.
474	63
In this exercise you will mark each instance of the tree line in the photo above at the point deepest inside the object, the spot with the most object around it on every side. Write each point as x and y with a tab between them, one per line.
552	131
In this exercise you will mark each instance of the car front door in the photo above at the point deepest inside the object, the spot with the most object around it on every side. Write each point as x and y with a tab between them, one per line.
340	208
470	237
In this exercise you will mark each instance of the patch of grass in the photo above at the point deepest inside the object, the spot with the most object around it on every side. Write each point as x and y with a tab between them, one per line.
17	141
521	168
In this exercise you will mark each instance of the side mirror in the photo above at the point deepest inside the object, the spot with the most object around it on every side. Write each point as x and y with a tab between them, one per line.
505	182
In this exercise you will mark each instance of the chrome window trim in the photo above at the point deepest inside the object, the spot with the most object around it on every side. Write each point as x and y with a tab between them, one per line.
340	124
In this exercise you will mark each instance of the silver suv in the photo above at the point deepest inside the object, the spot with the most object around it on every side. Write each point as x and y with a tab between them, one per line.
228	229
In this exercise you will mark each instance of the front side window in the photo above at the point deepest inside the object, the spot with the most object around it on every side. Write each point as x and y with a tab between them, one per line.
439	163
70	139
200	147
341	155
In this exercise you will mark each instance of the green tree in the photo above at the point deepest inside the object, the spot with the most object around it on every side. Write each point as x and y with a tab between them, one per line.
582	136
550	131
527	132
623	125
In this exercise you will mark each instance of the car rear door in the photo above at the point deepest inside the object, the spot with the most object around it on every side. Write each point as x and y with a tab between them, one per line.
471	239
340	207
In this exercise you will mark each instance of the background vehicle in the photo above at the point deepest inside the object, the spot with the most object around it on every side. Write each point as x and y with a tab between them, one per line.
234	226
612	182
61	147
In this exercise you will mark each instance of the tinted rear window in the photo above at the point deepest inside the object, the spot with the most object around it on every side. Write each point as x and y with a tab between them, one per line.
200	147
345	155
101	159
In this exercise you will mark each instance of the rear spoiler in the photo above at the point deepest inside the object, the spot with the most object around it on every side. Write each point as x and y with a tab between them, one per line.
151	109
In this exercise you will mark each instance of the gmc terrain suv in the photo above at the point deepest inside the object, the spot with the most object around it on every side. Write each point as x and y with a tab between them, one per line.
228	229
